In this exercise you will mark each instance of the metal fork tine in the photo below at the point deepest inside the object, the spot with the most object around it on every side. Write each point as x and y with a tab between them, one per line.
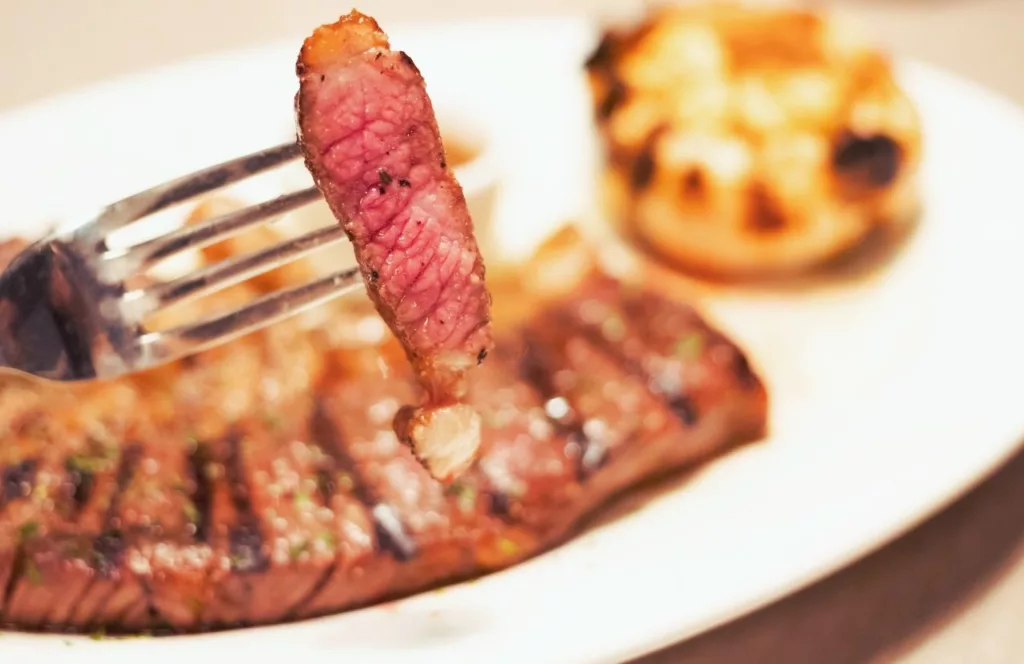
181	189
227	272
209	231
157	346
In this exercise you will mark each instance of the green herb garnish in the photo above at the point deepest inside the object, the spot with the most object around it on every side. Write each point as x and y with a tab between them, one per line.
242	561
35	577
689	347
329	540
465	496
345	481
28	530
100	461
507	547
191	512
296	550
303	499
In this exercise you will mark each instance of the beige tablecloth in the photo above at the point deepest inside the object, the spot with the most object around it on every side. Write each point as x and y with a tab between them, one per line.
951	591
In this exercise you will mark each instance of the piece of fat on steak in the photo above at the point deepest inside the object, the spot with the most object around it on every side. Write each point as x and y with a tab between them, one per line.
371	142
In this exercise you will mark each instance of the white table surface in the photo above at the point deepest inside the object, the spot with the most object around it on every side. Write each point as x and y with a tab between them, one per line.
951	591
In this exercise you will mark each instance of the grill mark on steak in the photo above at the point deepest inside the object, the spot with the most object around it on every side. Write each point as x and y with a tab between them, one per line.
40	584
357	537
676	331
523	475
7	559
245	538
110	595
42	579
363	110
81	483
126	469
16	481
330	440
171	554
281	462
107	555
184	575
197	461
326	485
629	353
615	408
92	517
21	517
108	547
52	577
211	591
523	462
153	504
436	533
537	367
15	569
390	533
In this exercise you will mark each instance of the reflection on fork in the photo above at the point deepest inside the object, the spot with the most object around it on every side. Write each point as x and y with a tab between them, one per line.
72	306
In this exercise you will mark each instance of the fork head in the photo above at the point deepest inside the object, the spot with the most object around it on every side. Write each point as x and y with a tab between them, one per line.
72	307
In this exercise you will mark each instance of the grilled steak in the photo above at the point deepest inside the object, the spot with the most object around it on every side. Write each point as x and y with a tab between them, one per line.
371	142
263	481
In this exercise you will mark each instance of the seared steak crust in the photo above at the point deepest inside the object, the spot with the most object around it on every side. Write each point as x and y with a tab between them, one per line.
266	483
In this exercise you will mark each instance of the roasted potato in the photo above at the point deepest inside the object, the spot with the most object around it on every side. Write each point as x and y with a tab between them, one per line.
745	141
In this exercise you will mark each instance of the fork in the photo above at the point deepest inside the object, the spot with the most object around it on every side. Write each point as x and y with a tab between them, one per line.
68	310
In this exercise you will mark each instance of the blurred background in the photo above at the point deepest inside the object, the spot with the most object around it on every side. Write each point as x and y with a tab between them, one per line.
950	592
50	45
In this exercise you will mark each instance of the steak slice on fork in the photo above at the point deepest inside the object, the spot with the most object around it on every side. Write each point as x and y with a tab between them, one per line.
371	142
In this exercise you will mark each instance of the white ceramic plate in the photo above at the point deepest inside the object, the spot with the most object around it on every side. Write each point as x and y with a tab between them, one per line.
890	396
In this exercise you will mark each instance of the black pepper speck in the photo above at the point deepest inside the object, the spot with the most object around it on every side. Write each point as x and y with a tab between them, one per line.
501	504
245	549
